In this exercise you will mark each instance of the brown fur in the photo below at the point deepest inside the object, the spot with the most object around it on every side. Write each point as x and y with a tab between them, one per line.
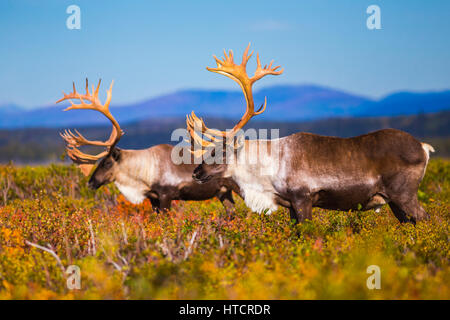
152	174
362	172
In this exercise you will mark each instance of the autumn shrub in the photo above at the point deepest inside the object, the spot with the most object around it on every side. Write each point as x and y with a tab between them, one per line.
50	220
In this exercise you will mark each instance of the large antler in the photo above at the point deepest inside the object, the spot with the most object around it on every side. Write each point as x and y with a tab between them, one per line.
75	140
238	73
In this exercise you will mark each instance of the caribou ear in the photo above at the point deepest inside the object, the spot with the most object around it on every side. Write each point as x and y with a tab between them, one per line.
116	154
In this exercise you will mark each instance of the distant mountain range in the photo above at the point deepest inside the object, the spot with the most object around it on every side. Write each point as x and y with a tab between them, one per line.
41	145
285	103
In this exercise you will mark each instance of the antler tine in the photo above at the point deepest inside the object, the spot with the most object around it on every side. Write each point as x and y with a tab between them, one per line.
80	157
262	108
76	155
193	123
196	140
71	139
66	135
226	58
261	72
87	87
78	139
98	87
246	56
198	153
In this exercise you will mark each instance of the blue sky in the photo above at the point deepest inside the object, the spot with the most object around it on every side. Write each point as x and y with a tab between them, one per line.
156	47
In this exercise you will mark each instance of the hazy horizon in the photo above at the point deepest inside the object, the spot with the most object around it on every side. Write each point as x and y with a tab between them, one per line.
144	99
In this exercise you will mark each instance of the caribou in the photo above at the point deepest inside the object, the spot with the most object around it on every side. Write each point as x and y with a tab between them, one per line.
307	170
138	174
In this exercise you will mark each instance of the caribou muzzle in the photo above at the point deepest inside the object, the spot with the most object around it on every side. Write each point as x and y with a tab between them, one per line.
94	184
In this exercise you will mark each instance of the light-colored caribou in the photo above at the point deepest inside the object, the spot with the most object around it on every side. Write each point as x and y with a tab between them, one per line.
138	174
309	170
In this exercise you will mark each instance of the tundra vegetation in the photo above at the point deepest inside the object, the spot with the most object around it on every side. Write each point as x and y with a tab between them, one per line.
127	251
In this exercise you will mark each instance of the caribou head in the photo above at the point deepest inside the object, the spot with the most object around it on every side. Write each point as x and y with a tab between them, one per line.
224	145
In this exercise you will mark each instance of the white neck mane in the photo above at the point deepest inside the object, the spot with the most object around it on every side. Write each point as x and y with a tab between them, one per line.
256	176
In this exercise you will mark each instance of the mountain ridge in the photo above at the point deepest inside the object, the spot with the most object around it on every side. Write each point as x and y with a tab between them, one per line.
305	102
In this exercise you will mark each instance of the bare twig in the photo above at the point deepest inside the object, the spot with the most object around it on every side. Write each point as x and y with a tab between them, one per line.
165	249
6	189
191	243
220	241
124	234
77	243
94	251
111	261
58	260
125	262
119	268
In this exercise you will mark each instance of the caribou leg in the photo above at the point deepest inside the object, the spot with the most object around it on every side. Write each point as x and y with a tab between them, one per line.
408	210
227	201
155	204
293	214
399	213
165	203
402	193
160	204
301	209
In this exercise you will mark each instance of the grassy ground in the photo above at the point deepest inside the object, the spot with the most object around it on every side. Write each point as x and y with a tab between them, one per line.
129	252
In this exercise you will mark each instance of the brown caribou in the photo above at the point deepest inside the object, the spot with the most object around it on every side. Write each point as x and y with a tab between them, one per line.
138	174
306	170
